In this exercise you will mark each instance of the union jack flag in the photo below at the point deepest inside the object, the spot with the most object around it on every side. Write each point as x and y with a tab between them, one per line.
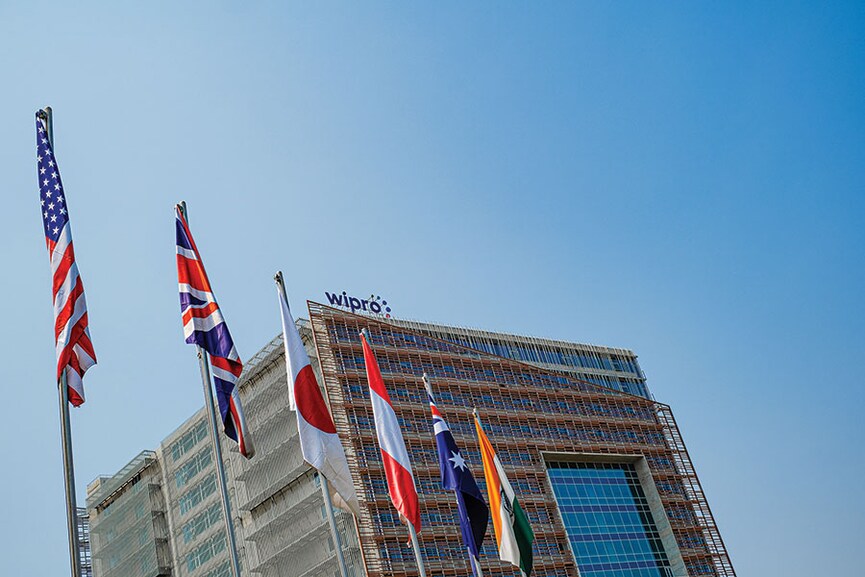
203	325
71	335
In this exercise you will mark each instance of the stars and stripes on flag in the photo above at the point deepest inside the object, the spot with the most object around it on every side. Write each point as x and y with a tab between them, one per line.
72	343
319	441
397	467
457	477
513	533
203	325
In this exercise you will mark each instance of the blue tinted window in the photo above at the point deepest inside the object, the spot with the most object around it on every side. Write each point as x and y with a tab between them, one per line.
608	521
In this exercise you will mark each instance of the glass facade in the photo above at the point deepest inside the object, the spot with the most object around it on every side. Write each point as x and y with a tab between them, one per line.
613	368
607	519
127	521
189	440
85	560
194	500
197	494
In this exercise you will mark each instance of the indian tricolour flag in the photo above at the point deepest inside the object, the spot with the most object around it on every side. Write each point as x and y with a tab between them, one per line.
513	533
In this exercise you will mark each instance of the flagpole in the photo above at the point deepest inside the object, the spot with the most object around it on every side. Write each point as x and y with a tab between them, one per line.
416	547
325	490
206	382
66	427
69	474
476	563
331	519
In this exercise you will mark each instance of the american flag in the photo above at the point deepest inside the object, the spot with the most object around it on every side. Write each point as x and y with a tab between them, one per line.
203	325
71	335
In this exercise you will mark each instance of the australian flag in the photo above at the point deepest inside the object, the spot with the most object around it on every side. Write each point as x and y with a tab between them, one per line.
457	477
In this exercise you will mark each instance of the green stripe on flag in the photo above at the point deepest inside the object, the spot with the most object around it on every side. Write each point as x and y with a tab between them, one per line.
525	537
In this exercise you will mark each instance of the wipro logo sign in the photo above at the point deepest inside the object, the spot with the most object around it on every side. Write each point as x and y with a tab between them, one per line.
374	304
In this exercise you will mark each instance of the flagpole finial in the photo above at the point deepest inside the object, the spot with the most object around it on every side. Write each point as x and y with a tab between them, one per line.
365	333
427	385
280	287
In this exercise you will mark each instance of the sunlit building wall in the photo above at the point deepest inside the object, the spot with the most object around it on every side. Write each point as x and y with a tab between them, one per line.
128	529
553	428
599	466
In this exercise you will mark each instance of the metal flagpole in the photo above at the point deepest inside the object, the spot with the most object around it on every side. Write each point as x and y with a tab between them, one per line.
476	563
416	547
206	382
66	428
331	519
69	470
325	490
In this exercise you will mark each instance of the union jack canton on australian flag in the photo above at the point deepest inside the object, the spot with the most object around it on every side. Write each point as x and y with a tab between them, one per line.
203	325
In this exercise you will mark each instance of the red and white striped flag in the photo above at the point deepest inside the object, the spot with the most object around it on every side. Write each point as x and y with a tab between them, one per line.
319	442
71	333
397	466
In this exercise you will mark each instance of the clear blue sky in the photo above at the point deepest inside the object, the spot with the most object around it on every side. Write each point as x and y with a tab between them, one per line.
685	181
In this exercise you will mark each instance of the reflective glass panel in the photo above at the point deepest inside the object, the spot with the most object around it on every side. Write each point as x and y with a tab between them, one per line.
608	521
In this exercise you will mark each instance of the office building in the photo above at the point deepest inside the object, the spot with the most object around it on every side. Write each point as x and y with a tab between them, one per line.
194	503
128	528
286	529
603	475
85	562
161	514
598	465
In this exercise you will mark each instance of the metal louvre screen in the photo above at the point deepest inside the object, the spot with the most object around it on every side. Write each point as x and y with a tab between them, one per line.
128	529
527	411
